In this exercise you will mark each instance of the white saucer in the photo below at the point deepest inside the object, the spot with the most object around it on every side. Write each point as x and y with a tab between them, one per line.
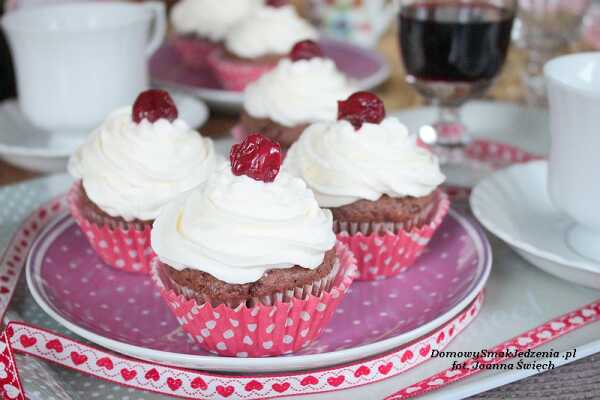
513	204
28	147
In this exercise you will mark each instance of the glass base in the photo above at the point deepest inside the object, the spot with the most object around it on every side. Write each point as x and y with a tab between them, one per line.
584	242
451	134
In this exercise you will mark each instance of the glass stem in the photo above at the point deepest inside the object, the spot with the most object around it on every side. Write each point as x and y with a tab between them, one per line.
533	77
450	130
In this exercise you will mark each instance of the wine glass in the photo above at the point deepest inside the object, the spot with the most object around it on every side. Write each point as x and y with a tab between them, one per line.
452	50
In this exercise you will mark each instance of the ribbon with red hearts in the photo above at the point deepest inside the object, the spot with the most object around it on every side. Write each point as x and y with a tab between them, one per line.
9	376
177	382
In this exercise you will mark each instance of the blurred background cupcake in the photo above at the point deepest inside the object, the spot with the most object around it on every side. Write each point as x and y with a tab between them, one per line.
139	159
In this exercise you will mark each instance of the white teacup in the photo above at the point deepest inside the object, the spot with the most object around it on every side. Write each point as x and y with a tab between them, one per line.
76	62
573	84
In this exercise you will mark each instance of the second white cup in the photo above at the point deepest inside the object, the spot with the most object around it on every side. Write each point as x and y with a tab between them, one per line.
573	84
77	62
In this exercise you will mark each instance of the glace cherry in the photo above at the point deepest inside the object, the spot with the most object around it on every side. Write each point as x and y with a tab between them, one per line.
153	105
257	157
361	107
305	50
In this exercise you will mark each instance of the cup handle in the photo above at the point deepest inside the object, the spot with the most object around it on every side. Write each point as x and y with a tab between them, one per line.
160	25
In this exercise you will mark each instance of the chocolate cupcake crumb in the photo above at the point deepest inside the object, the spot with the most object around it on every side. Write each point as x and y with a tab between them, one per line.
408	212
205	286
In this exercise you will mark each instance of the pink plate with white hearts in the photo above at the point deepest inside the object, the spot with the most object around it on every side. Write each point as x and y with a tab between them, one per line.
124	312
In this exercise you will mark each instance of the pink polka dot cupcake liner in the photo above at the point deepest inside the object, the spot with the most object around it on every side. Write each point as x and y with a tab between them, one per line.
124	247
235	75
194	51
280	324
389	249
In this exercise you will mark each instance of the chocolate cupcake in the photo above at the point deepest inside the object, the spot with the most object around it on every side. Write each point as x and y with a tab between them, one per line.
304	88
377	181
248	242
138	160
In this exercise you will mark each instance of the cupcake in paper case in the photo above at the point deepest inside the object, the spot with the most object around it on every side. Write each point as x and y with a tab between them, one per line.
248	261
139	159
254	46
304	88
201	26
381	187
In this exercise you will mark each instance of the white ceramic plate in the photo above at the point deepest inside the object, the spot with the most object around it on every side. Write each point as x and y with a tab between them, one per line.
443	282
28	147
513	204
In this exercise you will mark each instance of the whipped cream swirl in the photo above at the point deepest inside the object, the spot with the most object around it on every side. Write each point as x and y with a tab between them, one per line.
298	92
236	228
269	31
342	165
131	170
210	19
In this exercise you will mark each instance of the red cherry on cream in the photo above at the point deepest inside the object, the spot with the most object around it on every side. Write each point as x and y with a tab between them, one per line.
153	105
361	107
257	157
305	50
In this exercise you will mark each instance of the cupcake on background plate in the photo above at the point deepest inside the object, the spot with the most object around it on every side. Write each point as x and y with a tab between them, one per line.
304	88
201	26
380	185
139	159
248	261
255	45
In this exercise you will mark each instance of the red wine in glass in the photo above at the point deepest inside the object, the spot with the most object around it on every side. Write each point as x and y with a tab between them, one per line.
454	41
451	51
